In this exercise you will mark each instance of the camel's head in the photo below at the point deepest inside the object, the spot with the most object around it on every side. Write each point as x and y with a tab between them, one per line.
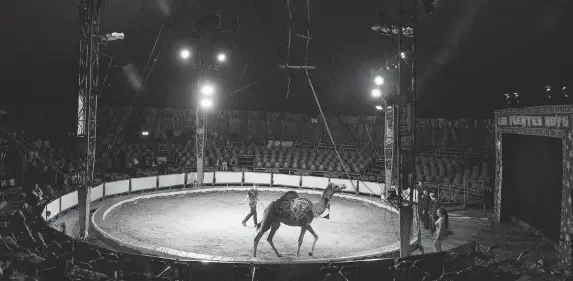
333	188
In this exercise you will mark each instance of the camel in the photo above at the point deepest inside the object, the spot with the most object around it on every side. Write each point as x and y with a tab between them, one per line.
293	210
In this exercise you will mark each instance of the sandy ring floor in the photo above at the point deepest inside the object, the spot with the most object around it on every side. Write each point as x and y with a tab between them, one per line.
205	224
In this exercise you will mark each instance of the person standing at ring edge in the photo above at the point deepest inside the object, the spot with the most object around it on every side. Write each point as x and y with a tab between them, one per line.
441	226
253	197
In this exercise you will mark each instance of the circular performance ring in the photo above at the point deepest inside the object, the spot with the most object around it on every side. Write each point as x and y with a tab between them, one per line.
197	224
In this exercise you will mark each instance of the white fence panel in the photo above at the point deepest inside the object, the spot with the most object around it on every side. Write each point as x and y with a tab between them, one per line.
171	180
257	178
314	182
229	177
146	183
286	180
69	200
116	187
208	177
54	208
96	193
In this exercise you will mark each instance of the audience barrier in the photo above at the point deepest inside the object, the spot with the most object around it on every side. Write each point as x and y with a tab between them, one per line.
212	179
371	269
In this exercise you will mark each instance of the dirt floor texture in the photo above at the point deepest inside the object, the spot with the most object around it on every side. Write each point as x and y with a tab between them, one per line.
210	223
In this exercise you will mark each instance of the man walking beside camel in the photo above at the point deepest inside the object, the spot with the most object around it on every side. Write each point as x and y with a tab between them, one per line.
253	197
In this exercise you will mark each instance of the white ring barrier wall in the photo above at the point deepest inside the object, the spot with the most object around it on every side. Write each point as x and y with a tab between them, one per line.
70	200
208	178
286	180
229	177
257	178
171	180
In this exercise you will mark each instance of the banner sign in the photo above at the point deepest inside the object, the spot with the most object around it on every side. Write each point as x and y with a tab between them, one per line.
559	122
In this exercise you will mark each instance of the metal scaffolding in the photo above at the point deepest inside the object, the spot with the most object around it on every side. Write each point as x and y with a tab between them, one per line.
203	67
88	83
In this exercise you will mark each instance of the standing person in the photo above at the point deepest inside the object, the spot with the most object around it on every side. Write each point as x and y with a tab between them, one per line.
434	206
420	198
253	197
425	205
441	234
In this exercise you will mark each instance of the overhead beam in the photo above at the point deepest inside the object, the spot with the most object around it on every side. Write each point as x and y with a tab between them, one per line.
297	66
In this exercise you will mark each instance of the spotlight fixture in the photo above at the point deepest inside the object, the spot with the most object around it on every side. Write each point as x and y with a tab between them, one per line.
206	103
378	80
516	97
221	57
207	90
185	54
403	55
564	91
392	30
548	89
379	107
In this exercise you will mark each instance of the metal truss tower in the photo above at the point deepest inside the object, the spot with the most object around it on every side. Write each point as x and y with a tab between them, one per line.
87	103
389	148
203	67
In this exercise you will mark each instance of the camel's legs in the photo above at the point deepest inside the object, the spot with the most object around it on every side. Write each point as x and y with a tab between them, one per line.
260	234
315	239
300	239
274	227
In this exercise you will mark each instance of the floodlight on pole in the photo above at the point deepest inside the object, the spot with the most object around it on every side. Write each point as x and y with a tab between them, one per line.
221	57
207	90
185	53
378	80
206	103
376	93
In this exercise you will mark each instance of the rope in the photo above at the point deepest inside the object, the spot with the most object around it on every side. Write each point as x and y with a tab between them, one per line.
318	102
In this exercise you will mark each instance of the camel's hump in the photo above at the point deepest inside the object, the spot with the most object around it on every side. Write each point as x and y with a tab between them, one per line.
289	195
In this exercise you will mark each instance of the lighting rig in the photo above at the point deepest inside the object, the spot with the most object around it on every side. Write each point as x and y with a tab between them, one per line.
399	131
88	93
205	89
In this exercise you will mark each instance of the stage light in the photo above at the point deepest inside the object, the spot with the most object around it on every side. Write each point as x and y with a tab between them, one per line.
403	55
564	91
378	107
185	54
221	57
206	103
207	90
378	80
376	93
548	88
145	133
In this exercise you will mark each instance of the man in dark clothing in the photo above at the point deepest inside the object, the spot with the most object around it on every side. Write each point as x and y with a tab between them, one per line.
420	198
425	206
253	197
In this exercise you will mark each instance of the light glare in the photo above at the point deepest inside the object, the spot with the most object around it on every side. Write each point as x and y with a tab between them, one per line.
376	93
185	54
207	90
206	103
221	57
378	80
378	107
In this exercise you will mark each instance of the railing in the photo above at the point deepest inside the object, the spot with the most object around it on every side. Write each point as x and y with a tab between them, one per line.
211	179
